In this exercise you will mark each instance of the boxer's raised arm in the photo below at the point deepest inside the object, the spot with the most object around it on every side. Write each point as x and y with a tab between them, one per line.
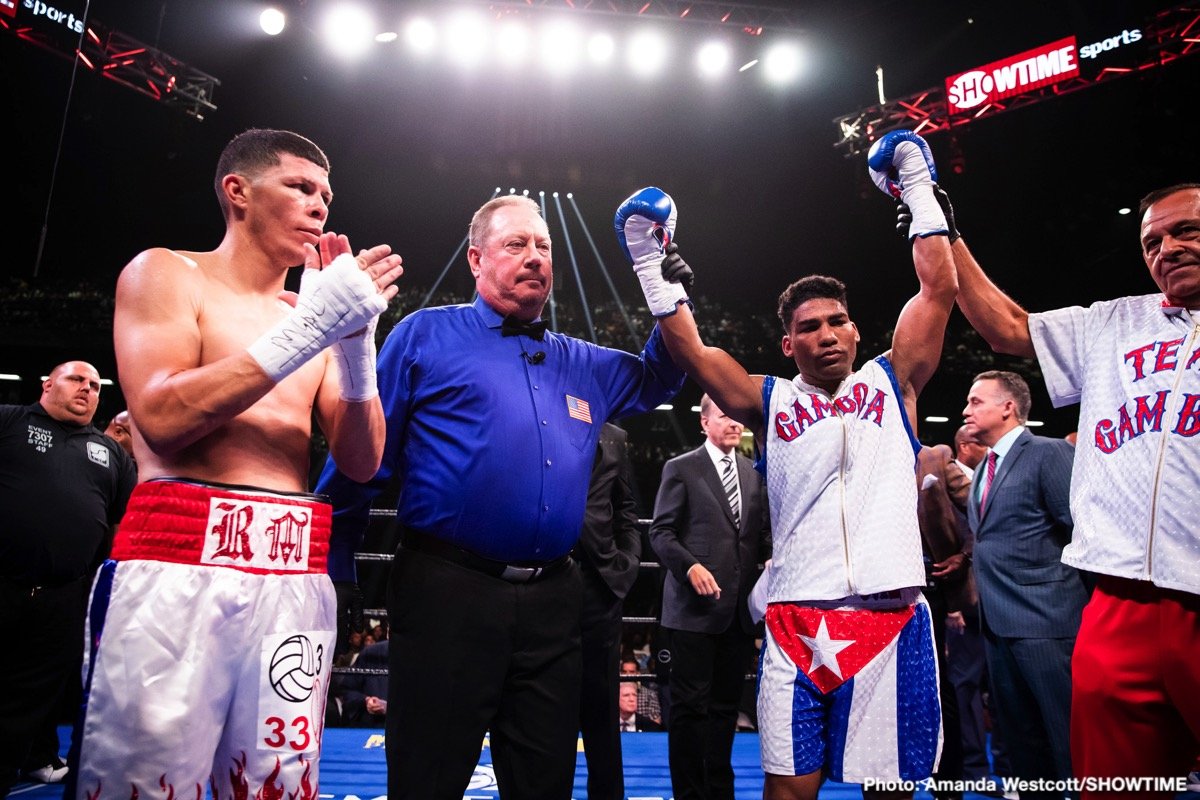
645	227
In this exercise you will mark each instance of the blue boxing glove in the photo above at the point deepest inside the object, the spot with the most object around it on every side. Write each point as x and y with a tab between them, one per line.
902	166
645	225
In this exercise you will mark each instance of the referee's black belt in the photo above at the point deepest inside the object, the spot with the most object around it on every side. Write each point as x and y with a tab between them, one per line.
513	573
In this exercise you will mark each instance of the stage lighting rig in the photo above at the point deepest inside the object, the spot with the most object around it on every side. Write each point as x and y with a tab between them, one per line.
750	18
117	57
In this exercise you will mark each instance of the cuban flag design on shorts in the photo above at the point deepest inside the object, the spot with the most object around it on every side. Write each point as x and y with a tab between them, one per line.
853	691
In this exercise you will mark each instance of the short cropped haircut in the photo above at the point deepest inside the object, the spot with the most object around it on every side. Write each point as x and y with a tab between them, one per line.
1159	194
257	149
481	221
1016	388
805	289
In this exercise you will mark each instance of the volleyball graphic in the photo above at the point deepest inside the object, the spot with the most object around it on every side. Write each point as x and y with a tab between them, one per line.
295	667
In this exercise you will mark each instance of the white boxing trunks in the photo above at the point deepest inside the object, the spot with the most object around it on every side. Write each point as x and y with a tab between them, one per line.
210	641
850	689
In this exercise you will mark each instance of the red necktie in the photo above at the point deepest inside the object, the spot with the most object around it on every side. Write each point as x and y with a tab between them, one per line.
987	482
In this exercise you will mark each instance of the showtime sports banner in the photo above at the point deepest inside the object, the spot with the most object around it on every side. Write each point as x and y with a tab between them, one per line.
1024	72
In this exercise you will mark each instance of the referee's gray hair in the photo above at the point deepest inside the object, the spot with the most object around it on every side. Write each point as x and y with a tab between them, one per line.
482	219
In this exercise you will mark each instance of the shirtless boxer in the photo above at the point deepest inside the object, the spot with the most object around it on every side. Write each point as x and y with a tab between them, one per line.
211	631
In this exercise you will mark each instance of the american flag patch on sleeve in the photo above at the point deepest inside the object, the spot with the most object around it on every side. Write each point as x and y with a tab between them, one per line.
579	409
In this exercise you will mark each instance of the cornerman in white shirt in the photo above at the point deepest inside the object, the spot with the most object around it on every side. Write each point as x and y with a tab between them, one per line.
1133	365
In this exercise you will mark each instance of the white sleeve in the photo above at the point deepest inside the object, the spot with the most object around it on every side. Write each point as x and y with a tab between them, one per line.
1060	339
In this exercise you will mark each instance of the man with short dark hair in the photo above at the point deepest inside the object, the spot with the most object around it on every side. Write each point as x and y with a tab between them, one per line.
1131	363
1029	601
63	487
849	648
212	626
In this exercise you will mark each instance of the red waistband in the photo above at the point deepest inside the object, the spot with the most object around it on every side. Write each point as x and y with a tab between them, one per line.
249	530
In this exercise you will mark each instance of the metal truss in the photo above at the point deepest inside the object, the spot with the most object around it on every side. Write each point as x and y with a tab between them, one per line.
1170	34
751	19
135	65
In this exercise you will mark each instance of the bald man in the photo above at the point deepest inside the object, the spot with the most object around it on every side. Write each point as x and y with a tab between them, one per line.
120	429
63	486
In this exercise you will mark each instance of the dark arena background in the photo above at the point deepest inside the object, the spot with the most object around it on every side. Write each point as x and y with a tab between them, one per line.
116	111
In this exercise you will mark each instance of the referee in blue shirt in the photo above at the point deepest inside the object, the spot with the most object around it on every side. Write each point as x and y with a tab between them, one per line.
492	424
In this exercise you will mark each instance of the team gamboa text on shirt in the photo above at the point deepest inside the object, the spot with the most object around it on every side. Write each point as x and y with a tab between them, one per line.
1146	412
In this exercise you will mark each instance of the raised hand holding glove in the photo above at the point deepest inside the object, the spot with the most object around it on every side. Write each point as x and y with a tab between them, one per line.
904	215
901	166
645	226
676	270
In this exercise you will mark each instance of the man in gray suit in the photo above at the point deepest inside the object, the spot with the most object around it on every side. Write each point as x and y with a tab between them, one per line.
710	531
1029	600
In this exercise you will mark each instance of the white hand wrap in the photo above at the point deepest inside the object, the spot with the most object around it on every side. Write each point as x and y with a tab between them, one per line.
355	358
333	302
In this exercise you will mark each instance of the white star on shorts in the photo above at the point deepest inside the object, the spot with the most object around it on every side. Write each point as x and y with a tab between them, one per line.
825	650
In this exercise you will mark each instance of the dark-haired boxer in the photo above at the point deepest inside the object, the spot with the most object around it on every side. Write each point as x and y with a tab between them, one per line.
212	627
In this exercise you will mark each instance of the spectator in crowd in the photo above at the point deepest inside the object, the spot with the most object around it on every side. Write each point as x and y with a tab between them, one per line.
364	697
118	430
63	488
649	704
630	719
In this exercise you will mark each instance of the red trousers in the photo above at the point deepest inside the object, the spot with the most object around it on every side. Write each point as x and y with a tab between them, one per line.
1135	699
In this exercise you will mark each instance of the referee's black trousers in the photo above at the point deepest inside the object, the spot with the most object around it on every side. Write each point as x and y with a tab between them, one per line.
469	654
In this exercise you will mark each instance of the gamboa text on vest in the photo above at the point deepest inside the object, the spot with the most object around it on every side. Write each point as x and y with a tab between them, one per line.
853	402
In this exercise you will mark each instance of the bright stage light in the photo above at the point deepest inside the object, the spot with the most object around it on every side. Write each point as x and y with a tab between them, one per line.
421	36
713	60
647	53
560	47
272	21
385	37
781	64
512	44
349	30
466	38
600	48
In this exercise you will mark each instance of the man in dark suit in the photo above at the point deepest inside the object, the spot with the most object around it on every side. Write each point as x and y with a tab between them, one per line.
629	720
609	553
710	531
1030	601
364	697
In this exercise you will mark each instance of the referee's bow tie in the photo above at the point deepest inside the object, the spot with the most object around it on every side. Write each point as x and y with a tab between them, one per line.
515	327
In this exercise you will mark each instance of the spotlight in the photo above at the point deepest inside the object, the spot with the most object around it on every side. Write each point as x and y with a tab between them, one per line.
600	48
512	44
421	36
386	37
348	30
647	53
466	38
782	63
272	21
713	59
560	48
1125	211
